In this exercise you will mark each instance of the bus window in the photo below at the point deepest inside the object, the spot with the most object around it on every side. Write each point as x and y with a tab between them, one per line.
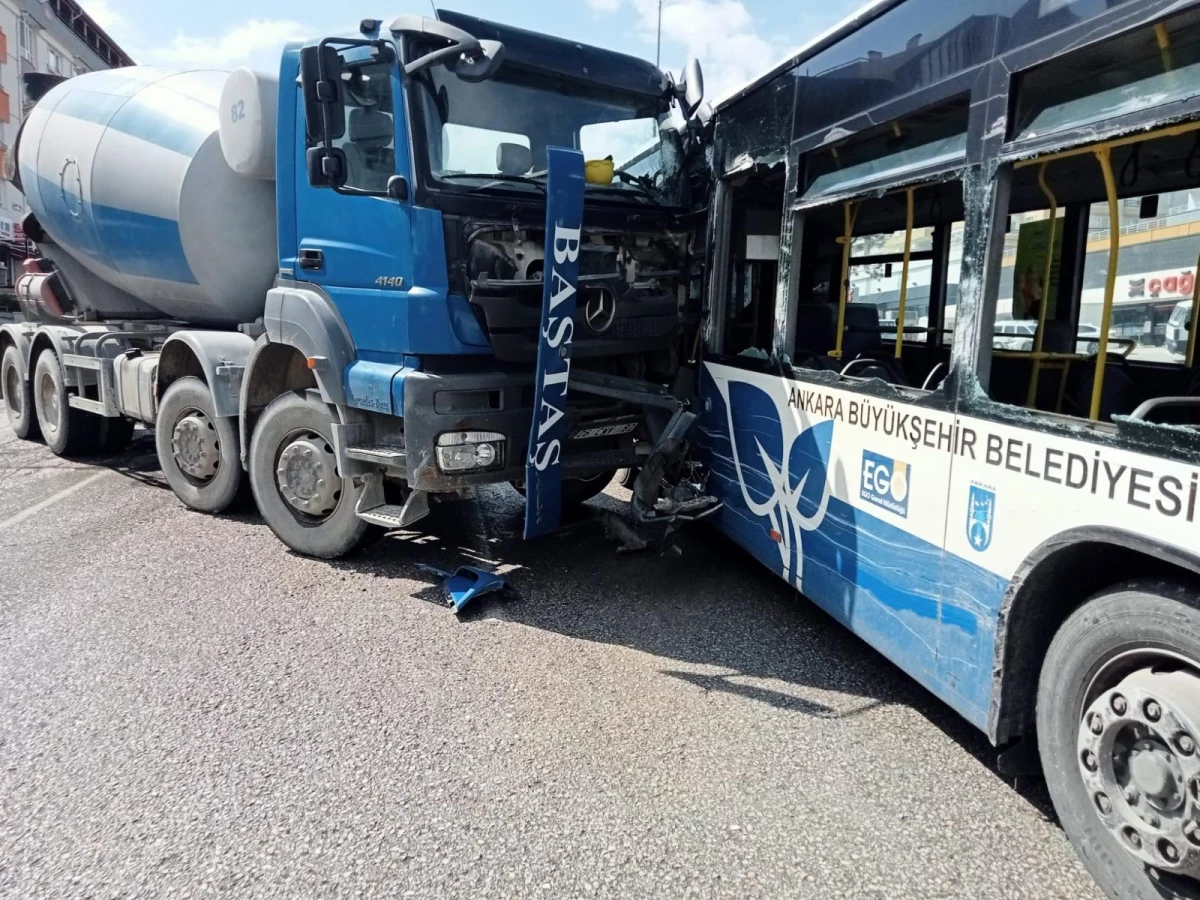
901	286
756	222
1022	290
876	267
1099	296
1156	272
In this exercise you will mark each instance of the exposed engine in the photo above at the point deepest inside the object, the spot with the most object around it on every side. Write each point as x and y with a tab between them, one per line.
632	292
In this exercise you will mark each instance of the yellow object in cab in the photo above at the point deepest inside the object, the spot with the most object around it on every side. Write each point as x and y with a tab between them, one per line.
598	171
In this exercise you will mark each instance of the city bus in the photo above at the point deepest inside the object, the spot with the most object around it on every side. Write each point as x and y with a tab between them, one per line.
1012	523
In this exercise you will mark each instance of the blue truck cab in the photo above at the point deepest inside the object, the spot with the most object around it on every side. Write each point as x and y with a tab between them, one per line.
411	180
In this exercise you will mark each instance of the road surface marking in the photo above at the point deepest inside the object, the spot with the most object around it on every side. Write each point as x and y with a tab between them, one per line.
50	501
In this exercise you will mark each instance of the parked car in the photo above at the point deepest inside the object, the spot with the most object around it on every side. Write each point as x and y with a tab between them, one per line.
1019	334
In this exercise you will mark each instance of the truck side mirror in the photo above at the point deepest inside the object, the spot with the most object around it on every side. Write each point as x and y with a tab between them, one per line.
326	166
481	65
467	57
691	91
397	187
321	78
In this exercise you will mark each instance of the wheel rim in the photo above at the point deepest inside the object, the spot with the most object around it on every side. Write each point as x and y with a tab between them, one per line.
195	447
1139	760
13	395
306	476
48	397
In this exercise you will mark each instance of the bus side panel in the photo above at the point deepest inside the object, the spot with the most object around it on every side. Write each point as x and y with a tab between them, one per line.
853	515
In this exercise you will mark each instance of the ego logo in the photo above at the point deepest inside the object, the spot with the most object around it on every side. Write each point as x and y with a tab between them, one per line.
885	482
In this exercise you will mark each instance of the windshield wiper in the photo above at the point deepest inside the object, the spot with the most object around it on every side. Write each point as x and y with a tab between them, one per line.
641	182
496	179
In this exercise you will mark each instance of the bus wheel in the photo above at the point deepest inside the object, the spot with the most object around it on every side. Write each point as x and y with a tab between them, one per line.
197	449
1118	723
18	397
293	472
68	431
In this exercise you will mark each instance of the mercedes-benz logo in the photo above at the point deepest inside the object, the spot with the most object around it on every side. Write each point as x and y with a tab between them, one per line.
600	311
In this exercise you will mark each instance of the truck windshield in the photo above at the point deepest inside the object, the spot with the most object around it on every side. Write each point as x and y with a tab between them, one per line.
494	134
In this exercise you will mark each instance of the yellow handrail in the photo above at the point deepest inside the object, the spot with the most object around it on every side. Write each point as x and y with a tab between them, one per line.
1104	156
1031	399
1126	140
844	240
904	274
1164	45
1191	347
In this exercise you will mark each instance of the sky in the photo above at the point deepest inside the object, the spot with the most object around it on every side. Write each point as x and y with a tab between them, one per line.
735	40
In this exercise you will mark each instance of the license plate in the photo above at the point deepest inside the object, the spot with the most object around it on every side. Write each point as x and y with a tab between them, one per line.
600	431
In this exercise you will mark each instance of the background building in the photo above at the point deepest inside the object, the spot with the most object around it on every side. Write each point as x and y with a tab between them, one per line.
56	37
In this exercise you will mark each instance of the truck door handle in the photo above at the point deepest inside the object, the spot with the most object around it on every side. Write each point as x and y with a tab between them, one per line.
312	259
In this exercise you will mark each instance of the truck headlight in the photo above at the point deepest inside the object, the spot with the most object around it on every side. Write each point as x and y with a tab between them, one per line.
467	451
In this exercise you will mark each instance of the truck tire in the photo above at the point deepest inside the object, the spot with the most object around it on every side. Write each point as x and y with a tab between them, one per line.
114	436
1118	724
18	397
67	431
294	477
197	449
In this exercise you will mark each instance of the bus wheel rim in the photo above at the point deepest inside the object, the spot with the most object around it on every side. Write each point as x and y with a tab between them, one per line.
1139	760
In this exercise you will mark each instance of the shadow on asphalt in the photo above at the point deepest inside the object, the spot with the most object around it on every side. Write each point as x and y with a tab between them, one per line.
711	605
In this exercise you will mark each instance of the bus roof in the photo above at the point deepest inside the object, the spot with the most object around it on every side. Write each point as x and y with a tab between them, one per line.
847	26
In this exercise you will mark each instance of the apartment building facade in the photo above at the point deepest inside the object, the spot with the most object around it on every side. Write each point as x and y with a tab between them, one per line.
56	37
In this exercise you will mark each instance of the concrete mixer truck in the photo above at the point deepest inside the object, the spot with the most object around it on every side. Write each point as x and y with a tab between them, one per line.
327	284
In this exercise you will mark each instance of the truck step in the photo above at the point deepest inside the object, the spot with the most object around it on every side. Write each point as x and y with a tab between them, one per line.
388	455
390	515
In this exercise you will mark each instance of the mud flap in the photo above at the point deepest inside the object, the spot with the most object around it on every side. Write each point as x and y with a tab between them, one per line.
564	222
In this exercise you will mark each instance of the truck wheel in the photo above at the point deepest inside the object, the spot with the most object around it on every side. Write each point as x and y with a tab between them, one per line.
114	435
293	472
1118	724
68	431
18	397
197	449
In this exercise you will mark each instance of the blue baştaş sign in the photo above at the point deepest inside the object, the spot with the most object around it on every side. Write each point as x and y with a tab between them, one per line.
564	223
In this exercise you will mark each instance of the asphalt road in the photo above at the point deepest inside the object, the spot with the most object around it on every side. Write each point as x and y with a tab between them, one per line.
187	710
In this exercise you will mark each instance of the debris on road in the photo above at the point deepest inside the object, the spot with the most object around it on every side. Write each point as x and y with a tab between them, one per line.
466	583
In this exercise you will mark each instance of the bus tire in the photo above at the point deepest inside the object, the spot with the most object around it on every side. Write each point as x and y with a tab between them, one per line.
18	396
299	493
66	430
1122	643
197	449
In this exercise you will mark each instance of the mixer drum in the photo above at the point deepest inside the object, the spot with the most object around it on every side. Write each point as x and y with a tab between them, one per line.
125	172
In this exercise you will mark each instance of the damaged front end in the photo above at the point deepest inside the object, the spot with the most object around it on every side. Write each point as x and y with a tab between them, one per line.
632	294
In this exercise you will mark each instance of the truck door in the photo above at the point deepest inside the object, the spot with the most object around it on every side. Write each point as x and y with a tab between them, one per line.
354	240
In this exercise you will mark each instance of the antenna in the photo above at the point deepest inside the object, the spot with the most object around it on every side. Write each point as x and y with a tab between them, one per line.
658	44
434	8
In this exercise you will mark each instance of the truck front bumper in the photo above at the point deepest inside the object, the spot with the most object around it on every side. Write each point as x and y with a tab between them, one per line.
500	403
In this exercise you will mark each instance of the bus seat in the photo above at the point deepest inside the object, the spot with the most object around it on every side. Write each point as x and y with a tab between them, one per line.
1059	337
816	327
863	336
1120	395
863	341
